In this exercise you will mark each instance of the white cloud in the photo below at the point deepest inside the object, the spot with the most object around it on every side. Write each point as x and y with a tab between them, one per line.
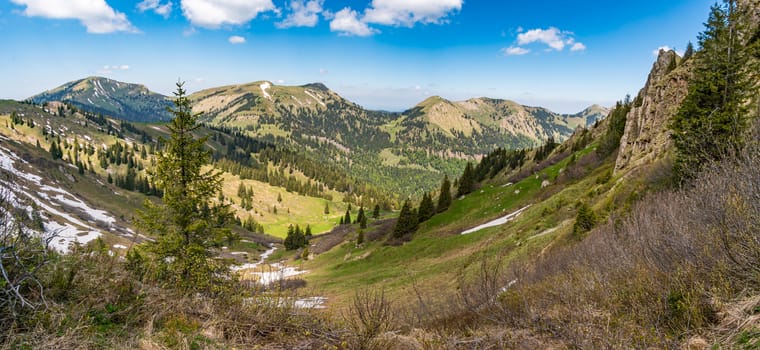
215	13
95	15
236	39
108	69
656	52
408	12
323	71
578	47
304	14
552	37
515	51
156	6
189	31
346	22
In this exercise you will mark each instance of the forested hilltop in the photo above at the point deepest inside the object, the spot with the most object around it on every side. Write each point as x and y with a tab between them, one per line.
404	153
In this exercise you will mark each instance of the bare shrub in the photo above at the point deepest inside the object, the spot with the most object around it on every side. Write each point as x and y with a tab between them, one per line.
645	280
23	252
370	315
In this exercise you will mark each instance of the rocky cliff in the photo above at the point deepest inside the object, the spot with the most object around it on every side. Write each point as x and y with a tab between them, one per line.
647	137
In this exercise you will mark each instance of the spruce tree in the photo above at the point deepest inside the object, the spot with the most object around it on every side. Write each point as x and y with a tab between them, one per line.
467	181
360	237
712	120
427	209
689	52
444	197
347	217
585	220
186	225
407	221
360	215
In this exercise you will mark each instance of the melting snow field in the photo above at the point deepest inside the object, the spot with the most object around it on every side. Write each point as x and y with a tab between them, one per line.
273	272
279	272
73	230
500	221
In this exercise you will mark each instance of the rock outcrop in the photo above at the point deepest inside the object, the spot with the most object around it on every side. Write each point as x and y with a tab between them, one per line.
646	137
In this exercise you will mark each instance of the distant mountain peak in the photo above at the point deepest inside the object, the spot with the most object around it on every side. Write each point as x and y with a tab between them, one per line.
95	94
317	86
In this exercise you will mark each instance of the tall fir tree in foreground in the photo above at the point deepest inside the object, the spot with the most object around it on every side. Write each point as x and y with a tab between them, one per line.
713	118
444	197
186	225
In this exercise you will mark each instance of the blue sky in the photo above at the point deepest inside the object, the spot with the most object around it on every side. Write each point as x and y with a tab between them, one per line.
382	54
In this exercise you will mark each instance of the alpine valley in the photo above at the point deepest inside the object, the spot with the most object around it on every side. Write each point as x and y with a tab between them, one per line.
268	216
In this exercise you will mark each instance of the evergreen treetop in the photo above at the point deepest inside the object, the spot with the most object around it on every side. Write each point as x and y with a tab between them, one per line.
186	225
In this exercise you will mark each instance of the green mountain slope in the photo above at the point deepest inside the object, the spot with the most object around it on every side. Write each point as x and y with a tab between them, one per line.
107	163
112	98
405	153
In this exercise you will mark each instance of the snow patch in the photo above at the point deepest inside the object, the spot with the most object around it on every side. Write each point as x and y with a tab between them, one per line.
500	221
66	235
274	272
315	98
264	86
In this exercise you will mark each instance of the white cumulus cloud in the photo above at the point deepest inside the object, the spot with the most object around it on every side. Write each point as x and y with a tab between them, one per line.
236	39
552	37
408	12
96	15
156	6
578	47
303	14
215	13
346	22
515	51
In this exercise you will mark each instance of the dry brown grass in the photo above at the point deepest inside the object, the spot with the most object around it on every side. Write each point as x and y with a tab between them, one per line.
657	277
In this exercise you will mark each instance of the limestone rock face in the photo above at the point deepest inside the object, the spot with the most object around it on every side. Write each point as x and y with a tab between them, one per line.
647	137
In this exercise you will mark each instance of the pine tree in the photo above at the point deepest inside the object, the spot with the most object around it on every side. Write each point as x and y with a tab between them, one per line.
290	239
376	212
327	208
307	232
585	220
444	197
407	221
360	237
689	52
347	217
360	215
712	120
186	225
55	150
467	181
427	209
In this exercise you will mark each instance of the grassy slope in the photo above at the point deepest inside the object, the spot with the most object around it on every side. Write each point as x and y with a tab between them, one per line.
303	209
438	255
